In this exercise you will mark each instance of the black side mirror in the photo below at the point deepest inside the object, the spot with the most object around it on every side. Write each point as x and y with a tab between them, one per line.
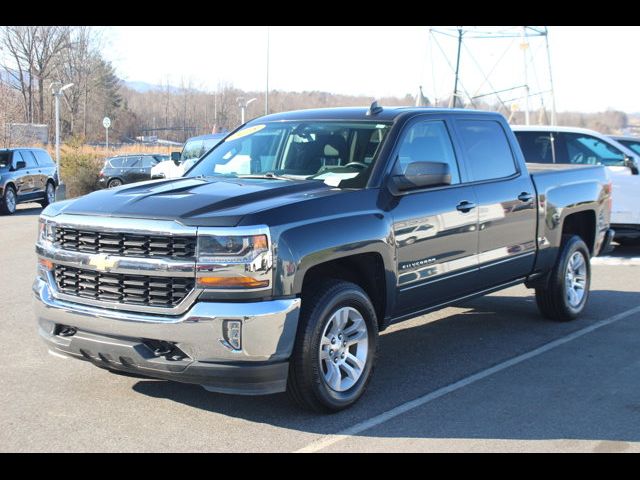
629	162
175	156
421	175
20	164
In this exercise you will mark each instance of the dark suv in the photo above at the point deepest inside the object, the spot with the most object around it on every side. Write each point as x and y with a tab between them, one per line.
26	175
128	169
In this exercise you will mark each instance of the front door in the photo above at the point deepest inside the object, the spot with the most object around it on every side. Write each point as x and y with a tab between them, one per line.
435	229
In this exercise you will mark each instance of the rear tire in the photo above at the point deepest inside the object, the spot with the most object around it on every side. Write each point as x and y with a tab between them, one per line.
330	310
114	182
567	291
9	201
49	195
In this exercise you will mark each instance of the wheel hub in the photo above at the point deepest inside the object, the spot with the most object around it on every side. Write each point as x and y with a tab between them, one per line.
576	279
344	349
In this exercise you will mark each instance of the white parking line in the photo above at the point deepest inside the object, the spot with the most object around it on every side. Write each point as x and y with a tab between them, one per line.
615	261
328	440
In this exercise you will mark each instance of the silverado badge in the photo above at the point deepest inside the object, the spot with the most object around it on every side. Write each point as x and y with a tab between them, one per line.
103	262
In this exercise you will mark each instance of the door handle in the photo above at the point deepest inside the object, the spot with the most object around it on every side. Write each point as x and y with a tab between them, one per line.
465	206
525	197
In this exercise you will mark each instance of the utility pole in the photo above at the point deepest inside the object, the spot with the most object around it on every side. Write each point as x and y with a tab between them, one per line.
455	85
266	95
553	94
524	45
56	89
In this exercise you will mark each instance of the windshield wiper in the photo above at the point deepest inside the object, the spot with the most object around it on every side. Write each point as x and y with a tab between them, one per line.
267	175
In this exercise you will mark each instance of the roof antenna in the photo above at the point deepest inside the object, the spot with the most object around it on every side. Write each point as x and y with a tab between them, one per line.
374	109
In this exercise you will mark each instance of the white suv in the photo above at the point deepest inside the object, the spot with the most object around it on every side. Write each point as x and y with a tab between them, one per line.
547	144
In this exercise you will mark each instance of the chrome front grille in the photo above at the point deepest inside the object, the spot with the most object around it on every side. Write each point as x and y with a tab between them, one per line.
125	244
140	290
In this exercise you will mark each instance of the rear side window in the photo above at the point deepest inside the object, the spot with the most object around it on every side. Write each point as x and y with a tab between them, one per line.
428	141
116	162
44	160
537	147
487	150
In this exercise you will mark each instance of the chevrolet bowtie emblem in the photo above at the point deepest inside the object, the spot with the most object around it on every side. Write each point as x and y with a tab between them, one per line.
103	262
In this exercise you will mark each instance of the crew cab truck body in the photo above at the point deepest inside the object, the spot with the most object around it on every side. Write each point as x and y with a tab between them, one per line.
281	278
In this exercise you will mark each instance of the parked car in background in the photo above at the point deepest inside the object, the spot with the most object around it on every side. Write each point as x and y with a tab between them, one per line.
545	144
630	142
128	168
194	148
26	175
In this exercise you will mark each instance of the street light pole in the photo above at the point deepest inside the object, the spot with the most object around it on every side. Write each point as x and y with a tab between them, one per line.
56	89
243	106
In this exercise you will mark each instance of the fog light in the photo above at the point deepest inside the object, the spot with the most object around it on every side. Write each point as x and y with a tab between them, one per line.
232	331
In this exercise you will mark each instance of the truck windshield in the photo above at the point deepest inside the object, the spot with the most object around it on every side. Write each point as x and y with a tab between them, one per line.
327	151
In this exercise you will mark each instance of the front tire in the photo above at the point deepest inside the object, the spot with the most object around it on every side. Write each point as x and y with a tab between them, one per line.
565	295
335	347
8	201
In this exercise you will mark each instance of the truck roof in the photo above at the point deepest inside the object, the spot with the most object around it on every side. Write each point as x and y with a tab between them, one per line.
360	113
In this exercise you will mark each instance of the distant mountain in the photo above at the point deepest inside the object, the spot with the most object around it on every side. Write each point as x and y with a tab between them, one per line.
144	87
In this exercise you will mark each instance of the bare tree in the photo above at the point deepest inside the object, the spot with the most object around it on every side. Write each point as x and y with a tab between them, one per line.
19	42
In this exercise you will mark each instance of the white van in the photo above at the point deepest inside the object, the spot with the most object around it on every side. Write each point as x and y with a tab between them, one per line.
547	144
180	162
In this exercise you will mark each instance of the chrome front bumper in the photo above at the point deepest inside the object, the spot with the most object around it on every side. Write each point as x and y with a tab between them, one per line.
118	340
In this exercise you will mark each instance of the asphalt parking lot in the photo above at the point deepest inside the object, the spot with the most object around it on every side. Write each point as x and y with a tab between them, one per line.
486	375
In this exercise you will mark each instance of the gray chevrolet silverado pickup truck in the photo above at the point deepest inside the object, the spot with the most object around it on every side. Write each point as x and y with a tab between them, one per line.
277	259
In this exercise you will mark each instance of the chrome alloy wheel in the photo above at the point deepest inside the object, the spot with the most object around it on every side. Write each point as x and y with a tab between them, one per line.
10	200
576	279
51	193
344	347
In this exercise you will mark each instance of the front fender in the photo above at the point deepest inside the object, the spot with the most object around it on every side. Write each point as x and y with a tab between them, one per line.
301	247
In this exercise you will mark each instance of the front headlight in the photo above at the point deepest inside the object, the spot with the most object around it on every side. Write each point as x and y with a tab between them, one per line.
234	262
46	231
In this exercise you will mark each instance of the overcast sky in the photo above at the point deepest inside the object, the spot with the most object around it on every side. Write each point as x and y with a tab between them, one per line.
594	68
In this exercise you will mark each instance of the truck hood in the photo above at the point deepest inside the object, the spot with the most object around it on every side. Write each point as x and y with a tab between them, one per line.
196	201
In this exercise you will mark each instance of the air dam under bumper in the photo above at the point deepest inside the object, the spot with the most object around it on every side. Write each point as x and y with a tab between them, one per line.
125	341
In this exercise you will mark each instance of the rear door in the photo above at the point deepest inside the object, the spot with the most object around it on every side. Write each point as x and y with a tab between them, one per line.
435	229
506	202
25	184
131	168
144	168
39	172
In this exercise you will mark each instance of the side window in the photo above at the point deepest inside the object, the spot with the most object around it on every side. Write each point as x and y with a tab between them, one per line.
192	149
43	158
588	150
488	153
28	157
537	147
17	157
132	162
148	162
428	141
116	162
